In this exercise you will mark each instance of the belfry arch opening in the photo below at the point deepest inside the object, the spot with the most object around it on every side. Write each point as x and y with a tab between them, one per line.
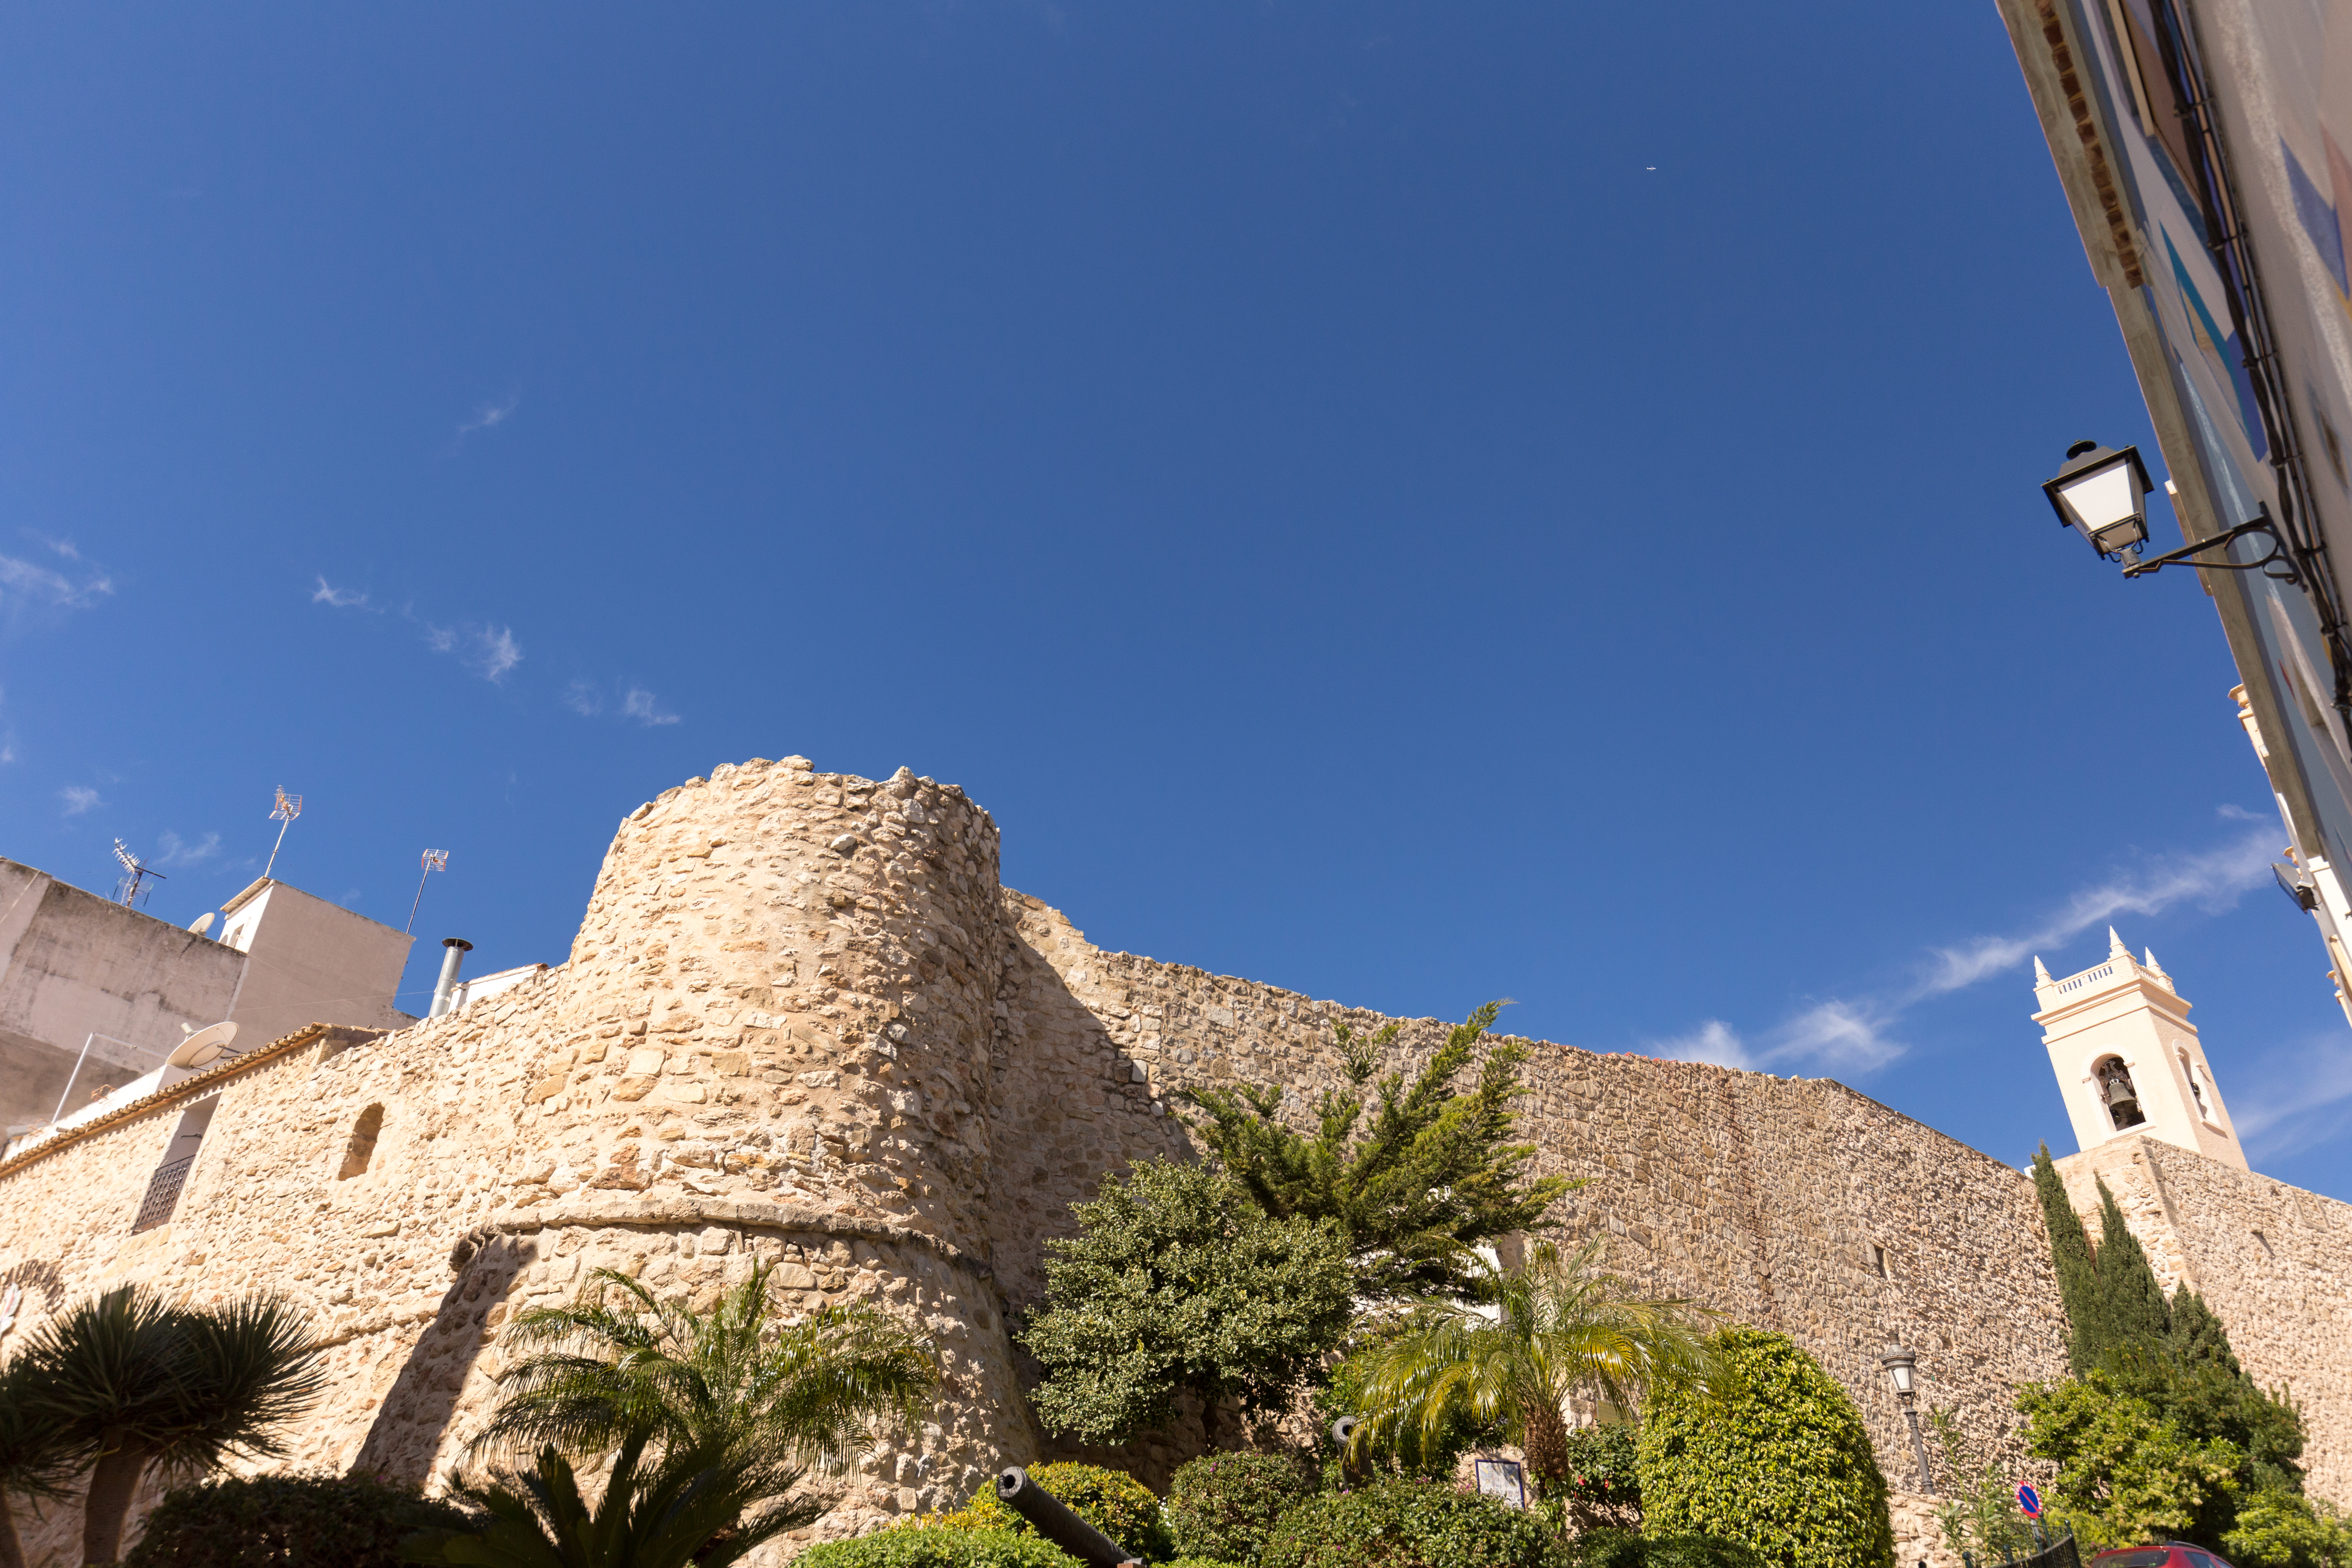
2116	1093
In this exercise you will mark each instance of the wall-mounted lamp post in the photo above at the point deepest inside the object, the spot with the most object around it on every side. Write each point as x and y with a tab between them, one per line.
2102	494
1901	1365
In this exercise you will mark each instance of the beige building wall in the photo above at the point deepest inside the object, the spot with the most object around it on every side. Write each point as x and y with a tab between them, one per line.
308	962
74	965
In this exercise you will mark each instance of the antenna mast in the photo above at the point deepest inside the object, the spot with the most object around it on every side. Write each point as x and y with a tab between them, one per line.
434	860
129	891
288	808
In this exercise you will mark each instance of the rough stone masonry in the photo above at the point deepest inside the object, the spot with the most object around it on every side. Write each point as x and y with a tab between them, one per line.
802	1021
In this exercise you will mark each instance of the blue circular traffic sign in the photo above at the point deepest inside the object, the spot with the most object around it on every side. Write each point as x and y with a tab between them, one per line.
2030	1500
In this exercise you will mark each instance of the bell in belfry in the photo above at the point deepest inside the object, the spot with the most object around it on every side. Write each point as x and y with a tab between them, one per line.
2123	1102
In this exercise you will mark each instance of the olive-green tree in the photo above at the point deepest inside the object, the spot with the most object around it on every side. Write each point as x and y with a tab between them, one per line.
1412	1191
1177	1282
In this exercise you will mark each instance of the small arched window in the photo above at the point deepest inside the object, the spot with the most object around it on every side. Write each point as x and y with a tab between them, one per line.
361	1148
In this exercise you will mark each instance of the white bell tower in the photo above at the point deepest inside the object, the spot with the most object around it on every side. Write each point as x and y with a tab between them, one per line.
2128	1060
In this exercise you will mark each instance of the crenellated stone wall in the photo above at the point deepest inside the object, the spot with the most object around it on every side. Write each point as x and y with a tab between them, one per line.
802	1021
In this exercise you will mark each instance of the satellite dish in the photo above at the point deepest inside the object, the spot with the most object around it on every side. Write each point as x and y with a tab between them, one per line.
204	1047
203	924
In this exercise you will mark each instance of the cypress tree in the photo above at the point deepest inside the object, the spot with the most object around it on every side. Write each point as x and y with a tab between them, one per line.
2131	1306
2069	1256
2198	1335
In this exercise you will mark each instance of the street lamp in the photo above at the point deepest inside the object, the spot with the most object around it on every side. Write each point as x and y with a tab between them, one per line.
1901	1365
2102	494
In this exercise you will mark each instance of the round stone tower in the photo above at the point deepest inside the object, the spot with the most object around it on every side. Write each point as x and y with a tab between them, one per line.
774	1037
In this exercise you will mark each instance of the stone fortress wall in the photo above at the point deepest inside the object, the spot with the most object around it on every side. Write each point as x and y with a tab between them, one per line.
803	1022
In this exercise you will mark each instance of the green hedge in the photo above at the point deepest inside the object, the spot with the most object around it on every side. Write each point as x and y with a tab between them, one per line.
1774	1456
1111	1501
1222	1506
1612	1548
938	1546
288	1521
1409	1524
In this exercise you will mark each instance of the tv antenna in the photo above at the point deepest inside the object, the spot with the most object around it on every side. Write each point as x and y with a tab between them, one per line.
288	808
434	860
130	891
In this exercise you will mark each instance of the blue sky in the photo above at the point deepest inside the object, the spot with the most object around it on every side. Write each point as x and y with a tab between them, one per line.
1409	502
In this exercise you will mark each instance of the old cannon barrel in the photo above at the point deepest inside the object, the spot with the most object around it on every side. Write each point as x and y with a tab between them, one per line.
1055	1521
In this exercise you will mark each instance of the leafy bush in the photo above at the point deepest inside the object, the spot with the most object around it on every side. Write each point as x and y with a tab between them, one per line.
1603	1487
2284	1529
1222	1505
931	1544
1774	1456
1201	1562
288	1521
1408	1524
2125	1473
1607	1547
1111	1501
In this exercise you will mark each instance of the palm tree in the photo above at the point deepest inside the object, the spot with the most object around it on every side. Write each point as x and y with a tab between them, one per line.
36	1459
1555	1328
774	1399
685	1507
130	1379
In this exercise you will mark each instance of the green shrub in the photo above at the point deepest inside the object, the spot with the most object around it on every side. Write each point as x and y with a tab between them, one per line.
1222	1505
1111	1501
1609	1547
1604	1486
931	1545
1199	1562
1773	1457
288	1521
1408	1524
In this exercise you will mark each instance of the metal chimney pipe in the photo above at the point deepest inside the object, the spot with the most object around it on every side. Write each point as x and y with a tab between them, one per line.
453	950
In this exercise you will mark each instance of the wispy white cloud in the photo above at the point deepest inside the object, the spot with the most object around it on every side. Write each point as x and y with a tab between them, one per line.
488	651
2211	879
25	583
1857	1034
582	698
641	705
79	798
340	598
491	416
2294	1097
175	852
1713	1041
499	652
